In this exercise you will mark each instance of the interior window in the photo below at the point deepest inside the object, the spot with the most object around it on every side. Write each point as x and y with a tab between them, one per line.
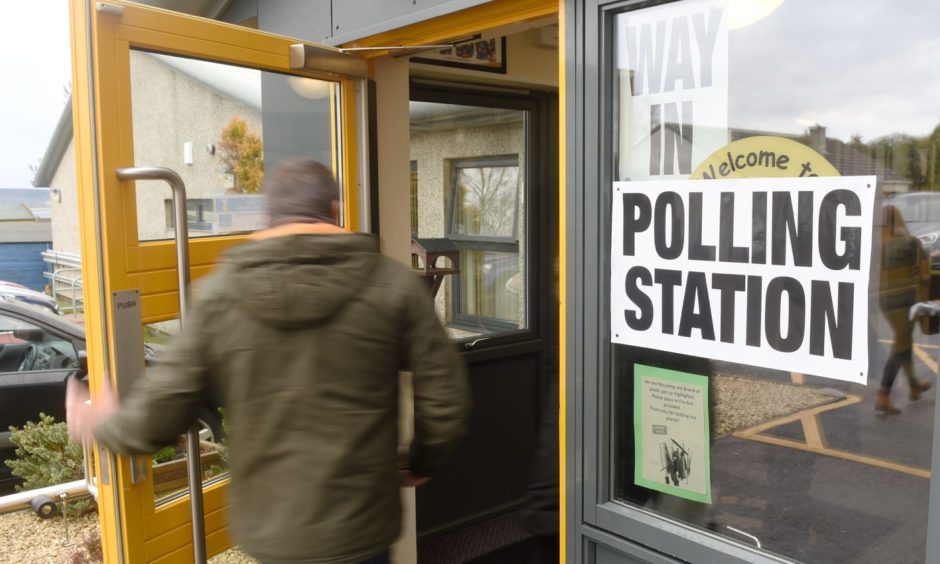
468	201
485	198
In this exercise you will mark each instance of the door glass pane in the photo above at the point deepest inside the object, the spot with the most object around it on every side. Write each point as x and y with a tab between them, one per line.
219	127
819	469
468	182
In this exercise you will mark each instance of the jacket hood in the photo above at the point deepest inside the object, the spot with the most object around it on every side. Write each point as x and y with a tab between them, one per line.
300	280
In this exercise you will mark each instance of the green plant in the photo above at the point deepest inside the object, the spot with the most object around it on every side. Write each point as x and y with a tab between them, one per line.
45	456
165	454
90	552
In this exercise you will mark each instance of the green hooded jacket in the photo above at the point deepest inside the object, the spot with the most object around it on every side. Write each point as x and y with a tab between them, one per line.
301	339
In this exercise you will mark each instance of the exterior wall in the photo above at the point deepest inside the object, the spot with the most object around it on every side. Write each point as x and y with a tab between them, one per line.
170	109
64	196
22	262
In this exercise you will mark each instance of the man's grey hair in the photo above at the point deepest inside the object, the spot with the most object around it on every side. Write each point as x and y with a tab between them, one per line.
300	190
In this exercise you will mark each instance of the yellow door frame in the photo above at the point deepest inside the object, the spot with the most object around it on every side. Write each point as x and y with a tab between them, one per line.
133	528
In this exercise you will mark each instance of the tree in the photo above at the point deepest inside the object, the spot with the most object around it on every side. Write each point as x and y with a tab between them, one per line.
242	152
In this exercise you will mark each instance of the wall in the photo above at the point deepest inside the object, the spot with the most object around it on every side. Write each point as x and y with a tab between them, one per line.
22	262
64	204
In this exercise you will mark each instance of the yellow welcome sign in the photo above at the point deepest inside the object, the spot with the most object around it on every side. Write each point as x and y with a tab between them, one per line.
764	156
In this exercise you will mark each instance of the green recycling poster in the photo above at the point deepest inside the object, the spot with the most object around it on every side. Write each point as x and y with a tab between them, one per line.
671	432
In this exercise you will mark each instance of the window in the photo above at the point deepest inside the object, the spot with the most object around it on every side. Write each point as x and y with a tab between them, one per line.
484	196
471	193
198	212
814	464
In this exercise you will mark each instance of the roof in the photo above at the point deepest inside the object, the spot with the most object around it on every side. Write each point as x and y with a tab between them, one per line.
61	137
848	160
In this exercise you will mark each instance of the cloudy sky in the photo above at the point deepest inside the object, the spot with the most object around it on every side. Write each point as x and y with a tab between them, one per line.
35	65
870	67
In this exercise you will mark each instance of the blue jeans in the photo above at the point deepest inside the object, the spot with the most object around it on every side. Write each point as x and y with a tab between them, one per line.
380	559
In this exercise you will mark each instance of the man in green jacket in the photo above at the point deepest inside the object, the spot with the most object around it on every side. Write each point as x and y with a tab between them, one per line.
300	334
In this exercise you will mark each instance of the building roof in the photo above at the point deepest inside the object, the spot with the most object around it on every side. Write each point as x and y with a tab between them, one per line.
61	137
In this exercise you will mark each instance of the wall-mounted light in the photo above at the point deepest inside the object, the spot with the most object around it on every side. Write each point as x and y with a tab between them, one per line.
188	152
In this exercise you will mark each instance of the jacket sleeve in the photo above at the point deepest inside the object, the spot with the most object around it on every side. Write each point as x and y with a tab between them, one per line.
165	401
441	393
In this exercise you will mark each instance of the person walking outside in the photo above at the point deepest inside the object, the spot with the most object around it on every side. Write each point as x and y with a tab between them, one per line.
903	263
300	333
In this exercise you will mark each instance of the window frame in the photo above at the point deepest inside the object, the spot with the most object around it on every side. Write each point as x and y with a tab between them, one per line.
538	116
482	243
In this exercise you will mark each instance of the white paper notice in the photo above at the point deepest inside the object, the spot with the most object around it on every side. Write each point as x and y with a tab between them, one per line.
765	272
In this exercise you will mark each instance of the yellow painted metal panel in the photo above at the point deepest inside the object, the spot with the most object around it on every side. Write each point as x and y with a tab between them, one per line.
152	533
182	554
218	541
459	24
162	255
84	176
180	531
350	157
198	47
162	281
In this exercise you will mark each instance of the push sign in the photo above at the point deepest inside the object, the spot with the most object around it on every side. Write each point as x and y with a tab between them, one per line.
767	272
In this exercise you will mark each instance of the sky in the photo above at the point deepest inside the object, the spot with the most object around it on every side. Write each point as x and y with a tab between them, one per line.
35	65
854	67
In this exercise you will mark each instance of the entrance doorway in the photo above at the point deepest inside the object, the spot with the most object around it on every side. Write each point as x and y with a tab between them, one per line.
484	184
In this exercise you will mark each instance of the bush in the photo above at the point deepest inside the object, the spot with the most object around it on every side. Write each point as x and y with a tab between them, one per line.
90	552
45	456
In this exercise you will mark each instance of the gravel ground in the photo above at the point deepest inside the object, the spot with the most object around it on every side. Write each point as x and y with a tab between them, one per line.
744	402
27	539
740	403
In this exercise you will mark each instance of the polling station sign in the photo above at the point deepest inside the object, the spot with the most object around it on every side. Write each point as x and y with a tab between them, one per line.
768	272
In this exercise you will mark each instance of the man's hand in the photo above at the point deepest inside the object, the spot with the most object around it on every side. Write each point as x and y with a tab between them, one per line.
82	414
409	480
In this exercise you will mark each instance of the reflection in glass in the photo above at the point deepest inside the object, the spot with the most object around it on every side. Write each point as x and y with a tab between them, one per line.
490	286
219	127
468	186
815	469
486	201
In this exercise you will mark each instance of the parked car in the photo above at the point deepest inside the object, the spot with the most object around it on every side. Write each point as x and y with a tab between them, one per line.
12	292
38	352
921	213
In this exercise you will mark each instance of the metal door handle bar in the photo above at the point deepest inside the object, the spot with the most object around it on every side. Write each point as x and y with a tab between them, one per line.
181	232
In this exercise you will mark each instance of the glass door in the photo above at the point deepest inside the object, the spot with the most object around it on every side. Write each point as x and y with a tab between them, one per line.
176	120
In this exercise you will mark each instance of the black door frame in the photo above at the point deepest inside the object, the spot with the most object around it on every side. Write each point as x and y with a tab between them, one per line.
493	363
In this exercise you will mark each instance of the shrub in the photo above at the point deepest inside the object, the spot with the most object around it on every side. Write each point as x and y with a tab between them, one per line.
45	456
90	552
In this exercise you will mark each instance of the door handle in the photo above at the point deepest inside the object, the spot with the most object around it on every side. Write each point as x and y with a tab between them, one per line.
181	235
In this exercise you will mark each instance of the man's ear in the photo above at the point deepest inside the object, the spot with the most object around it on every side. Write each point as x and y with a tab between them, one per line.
334	210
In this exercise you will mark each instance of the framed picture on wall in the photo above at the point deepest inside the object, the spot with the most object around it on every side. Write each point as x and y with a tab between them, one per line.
486	54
